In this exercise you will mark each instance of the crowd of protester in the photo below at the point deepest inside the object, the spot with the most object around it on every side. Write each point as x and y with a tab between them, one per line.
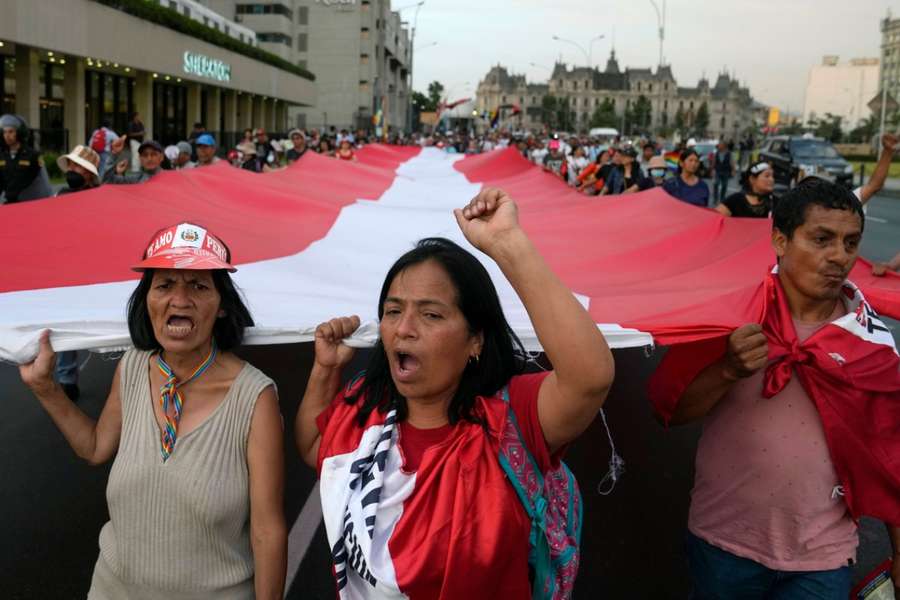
594	166
448	374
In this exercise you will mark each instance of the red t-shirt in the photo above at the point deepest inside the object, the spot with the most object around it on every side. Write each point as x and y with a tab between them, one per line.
523	390
449	523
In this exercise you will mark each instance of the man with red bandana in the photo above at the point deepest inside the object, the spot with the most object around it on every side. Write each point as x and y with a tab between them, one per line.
801	418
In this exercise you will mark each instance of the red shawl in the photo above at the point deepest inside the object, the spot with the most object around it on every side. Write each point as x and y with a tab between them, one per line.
850	370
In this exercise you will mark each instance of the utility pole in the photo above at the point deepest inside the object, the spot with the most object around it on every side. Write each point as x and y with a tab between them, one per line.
412	51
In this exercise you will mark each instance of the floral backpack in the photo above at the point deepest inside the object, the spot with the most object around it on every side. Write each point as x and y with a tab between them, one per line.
553	502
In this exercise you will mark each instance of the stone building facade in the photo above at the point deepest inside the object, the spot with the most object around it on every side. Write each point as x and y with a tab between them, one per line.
359	51
730	105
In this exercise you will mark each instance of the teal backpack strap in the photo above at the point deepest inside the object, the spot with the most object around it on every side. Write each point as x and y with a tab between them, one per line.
535	506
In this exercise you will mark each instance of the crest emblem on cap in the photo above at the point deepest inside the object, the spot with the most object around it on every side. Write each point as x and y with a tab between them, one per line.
190	235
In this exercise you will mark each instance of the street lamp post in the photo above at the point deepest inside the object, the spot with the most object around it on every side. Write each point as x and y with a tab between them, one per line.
661	21
587	56
591	49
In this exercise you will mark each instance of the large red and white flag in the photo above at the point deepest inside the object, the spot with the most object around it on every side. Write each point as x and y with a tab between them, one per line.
315	240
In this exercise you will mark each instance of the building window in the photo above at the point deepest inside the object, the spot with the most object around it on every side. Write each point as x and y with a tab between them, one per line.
534	99
665	104
650	87
274	38
586	100
206	20
666	87
186	10
301	63
639	86
363	59
301	42
574	85
173	5
364	33
692	105
302	15
264	9
503	100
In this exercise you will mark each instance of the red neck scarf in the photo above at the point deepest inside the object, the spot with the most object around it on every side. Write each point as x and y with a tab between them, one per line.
849	369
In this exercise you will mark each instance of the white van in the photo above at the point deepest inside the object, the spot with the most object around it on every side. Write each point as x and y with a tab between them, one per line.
604	134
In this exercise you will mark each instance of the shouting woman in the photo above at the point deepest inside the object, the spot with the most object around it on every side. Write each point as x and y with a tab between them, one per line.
416	503
195	491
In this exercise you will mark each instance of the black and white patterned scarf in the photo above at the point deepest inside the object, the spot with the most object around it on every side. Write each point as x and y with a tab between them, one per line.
365	483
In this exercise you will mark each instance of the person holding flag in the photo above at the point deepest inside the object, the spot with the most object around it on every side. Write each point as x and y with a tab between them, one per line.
195	491
687	186
801	417
555	161
415	499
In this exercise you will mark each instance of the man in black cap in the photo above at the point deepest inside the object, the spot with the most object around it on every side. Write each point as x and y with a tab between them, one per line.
151	156
625	178
20	164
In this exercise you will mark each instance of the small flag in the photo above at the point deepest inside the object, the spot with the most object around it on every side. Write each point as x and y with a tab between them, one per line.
672	159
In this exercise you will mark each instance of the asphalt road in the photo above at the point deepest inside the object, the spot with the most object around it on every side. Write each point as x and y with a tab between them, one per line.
54	505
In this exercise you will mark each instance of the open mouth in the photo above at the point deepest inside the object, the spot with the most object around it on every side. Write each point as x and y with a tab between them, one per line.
179	326
407	365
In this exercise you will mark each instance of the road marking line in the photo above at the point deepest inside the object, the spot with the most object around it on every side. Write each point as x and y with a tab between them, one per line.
301	535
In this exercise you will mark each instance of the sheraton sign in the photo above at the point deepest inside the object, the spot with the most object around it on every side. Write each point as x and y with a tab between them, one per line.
204	66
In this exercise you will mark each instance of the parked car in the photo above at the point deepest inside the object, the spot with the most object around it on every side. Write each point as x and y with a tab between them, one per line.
794	157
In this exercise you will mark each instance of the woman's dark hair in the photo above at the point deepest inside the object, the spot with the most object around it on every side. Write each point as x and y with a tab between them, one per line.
228	330
754	170
502	354
790	212
686	153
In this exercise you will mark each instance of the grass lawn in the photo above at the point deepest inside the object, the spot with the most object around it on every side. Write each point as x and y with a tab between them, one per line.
894	171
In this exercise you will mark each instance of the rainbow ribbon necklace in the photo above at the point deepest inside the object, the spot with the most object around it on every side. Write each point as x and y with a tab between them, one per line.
171	399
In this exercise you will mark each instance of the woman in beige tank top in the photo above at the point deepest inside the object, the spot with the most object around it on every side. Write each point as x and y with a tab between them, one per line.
195	491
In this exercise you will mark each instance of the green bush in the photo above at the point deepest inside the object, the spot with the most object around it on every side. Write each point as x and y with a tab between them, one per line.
167	17
53	170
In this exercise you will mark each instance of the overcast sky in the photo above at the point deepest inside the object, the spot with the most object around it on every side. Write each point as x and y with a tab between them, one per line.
769	44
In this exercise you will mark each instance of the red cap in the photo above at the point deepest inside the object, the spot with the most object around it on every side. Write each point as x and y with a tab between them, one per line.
185	246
